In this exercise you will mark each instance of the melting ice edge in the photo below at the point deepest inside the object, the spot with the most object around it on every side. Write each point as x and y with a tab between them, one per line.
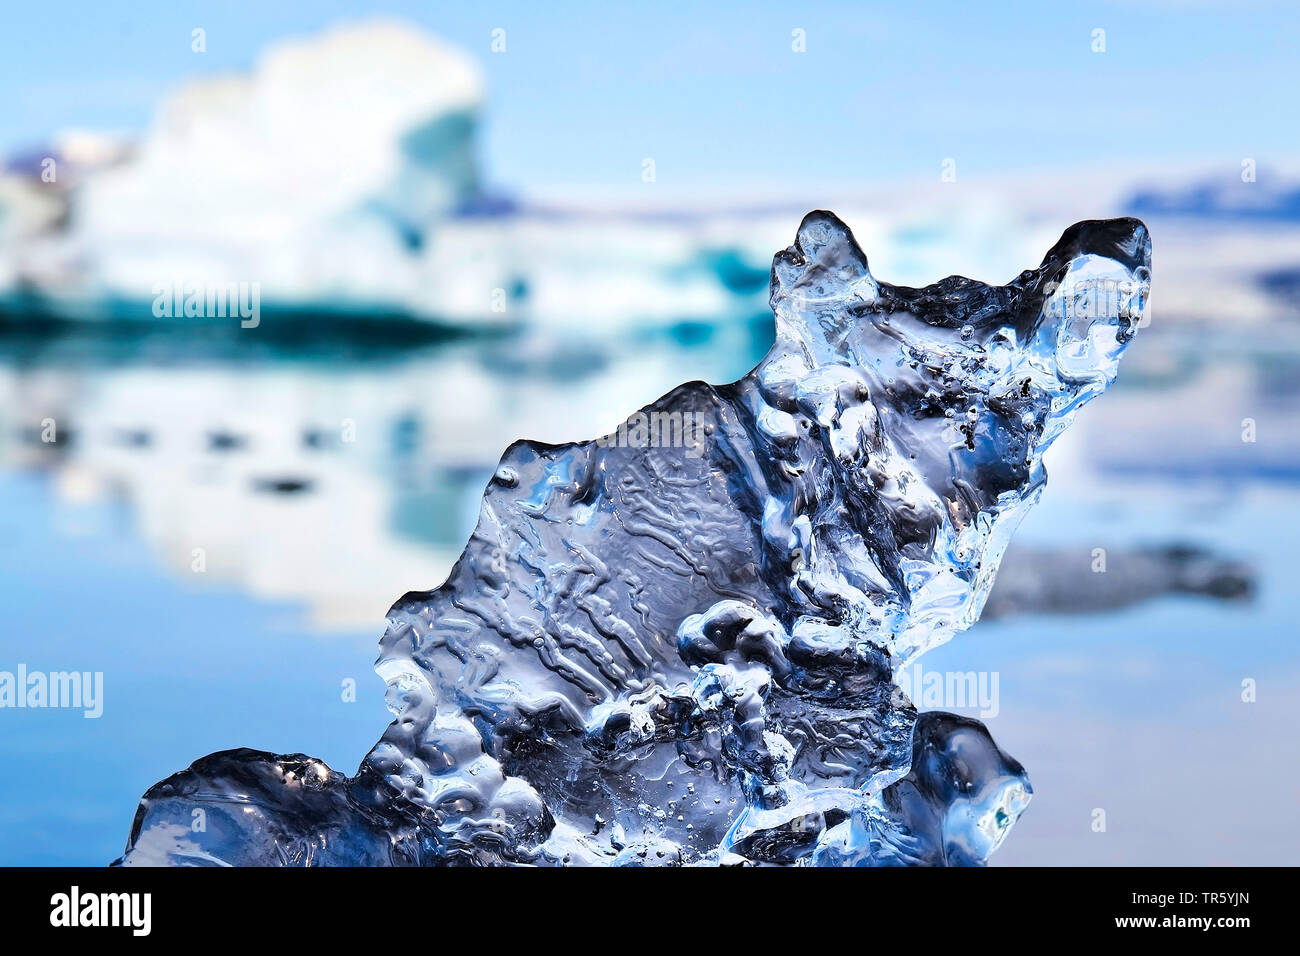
681	650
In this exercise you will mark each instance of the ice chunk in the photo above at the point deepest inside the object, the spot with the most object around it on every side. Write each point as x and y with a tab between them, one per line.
676	644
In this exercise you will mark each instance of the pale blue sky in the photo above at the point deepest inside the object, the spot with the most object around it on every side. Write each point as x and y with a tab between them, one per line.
717	97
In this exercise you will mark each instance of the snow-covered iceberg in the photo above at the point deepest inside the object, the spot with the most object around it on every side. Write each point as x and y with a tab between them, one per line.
677	643
340	177
317	175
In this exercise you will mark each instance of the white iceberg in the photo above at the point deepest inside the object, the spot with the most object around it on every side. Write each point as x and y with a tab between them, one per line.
316	175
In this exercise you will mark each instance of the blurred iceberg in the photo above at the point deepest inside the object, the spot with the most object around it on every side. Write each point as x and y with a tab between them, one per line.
340	175
318	175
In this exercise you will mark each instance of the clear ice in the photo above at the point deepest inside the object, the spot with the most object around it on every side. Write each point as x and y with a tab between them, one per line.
676	644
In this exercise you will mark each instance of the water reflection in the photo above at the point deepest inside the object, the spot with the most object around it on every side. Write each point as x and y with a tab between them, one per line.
334	482
341	479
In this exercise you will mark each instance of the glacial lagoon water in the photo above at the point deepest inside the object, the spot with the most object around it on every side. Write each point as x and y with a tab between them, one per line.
1100	707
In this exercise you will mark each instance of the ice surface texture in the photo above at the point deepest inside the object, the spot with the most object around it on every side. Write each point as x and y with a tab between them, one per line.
676	644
